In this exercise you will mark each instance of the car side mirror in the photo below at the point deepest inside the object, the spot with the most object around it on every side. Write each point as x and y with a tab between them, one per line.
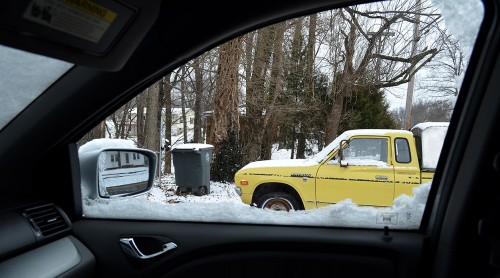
117	172
343	144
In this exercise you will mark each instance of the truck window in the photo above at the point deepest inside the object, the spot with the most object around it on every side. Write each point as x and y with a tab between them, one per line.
366	149
402	149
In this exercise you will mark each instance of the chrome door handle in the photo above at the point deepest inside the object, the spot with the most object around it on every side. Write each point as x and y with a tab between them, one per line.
381	177
128	244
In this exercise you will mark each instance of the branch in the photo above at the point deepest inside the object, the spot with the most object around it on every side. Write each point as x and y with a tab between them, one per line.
412	60
409	72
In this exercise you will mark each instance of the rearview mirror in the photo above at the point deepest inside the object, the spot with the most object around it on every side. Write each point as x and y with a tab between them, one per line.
120	172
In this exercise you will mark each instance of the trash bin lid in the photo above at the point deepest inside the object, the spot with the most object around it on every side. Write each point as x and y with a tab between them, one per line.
193	146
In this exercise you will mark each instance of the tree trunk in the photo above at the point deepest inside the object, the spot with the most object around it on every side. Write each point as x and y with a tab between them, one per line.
268	131
183	106
167	166
152	135
226	113
308	85
198	90
333	120
346	82
141	120
256	95
123	121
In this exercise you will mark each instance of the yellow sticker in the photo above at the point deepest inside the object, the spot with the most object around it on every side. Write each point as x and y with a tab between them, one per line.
81	18
93	9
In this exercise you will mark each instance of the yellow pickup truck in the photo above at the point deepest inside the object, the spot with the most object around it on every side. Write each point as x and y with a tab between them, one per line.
369	166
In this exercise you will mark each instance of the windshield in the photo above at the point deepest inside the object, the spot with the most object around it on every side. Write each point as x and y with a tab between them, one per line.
23	77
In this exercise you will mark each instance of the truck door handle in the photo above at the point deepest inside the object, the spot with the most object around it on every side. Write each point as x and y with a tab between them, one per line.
128	244
381	177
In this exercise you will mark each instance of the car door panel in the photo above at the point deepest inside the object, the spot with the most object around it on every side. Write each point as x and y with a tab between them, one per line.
359	180
233	250
336	183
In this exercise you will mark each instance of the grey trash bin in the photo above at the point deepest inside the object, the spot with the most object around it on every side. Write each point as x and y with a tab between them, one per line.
192	167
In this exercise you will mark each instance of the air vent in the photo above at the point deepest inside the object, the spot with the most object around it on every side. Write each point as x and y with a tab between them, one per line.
47	220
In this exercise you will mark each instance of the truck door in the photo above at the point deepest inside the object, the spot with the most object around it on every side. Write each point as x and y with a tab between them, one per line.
365	176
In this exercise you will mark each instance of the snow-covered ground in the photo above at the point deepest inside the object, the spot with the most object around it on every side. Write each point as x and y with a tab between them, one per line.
222	204
164	191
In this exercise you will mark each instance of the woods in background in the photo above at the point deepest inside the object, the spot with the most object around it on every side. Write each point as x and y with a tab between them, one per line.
295	82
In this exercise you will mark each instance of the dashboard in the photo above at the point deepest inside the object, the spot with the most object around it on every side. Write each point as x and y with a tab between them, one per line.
35	241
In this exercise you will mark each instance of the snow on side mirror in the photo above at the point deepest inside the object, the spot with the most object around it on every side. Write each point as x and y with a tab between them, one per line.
117	172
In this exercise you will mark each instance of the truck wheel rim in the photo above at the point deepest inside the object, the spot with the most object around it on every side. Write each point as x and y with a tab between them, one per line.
278	204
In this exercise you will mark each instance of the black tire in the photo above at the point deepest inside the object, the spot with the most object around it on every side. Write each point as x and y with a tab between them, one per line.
278	201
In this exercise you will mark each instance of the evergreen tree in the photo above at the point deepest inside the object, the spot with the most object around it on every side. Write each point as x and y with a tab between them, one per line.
227	160
366	109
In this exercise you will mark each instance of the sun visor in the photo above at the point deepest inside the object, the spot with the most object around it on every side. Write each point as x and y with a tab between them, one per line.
84	32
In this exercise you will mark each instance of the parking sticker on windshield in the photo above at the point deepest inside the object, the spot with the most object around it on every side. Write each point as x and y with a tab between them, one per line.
81	18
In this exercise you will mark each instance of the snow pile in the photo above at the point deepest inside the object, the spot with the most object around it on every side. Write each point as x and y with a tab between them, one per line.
103	143
222	204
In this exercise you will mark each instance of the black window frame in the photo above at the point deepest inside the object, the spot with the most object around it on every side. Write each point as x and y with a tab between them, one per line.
407	148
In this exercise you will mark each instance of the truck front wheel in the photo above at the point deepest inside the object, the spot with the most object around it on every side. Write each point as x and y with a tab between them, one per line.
278	201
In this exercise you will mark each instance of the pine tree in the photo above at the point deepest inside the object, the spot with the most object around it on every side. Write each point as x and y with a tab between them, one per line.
366	109
227	160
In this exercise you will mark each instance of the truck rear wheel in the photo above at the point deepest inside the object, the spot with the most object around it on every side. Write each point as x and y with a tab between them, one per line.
278	201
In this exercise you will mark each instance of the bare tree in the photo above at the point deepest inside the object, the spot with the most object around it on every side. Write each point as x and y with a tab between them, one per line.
167	106
141	119
445	70
309	86
256	94
399	116
97	132
122	120
358	55
183	105
268	132
198	91
433	110
152	132
226	112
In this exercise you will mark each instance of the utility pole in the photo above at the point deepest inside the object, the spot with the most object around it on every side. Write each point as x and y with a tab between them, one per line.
411	83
